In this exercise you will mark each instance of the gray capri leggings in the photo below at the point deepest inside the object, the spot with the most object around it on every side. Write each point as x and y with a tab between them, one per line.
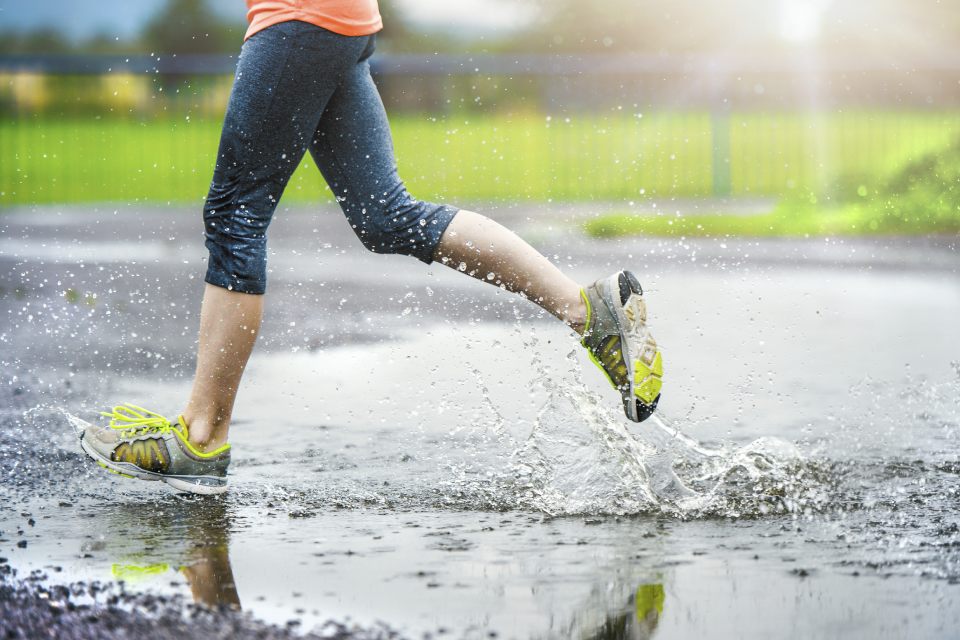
299	87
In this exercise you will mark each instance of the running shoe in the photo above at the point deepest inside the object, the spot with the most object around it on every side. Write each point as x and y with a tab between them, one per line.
619	343
138	443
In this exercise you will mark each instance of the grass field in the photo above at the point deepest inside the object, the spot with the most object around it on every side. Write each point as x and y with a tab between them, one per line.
922	196
493	157
783	221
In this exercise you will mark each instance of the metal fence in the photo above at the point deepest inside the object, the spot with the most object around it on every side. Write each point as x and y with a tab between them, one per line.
491	127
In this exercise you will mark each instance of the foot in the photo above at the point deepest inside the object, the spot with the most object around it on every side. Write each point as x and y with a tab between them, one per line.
138	443
619	343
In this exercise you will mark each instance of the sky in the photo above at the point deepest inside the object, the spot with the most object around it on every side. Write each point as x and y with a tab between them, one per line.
81	19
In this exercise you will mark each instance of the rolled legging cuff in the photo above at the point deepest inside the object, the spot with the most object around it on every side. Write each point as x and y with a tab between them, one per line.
440	219
233	283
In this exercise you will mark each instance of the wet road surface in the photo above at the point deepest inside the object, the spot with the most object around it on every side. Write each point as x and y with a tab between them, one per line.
417	448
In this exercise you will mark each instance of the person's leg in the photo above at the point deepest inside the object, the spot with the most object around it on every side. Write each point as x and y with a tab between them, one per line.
354	150
229	324
488	251
285	77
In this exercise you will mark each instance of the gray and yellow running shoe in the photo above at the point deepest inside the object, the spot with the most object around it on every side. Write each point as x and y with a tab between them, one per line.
143	444
619	343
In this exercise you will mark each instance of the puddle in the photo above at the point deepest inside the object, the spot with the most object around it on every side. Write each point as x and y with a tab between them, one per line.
449	469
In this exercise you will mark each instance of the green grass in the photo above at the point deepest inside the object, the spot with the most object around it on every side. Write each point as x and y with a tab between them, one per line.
921	197
785	221
610	157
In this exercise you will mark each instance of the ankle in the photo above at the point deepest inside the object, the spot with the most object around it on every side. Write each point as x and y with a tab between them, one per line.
575	315
207	444
204	435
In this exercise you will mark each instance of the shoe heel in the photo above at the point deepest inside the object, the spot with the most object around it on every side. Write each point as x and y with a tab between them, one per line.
632	283
644	410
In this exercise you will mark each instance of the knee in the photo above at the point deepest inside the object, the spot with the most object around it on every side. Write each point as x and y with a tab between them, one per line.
383	228
398	223
237	242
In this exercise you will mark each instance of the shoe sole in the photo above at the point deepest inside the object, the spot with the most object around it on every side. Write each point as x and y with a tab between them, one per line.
188	484
610	292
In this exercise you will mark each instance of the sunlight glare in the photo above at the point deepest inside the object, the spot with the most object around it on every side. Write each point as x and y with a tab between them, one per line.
800	19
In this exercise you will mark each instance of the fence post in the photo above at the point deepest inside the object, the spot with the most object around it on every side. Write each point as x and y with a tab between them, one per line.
720	132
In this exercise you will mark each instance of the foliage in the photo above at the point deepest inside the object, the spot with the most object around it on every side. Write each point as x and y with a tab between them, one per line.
927	189
45	40
750	27
180	26
189	26
784	221
921	197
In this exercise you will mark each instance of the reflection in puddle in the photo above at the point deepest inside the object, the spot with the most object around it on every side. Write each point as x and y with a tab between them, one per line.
211	578
639	621
202	527
192	537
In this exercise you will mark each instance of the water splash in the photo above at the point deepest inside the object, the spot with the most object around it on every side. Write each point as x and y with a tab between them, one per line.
578	460
581	459
76	423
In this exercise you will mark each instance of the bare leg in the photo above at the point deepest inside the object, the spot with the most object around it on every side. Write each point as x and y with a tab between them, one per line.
490	252
229	323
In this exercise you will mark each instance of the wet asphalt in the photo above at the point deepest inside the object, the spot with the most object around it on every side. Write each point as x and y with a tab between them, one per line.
419	453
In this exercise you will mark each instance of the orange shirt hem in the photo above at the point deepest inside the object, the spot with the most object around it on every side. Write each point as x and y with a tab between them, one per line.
261	17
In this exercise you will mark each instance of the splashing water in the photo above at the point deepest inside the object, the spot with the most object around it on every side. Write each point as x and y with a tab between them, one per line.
578	456
581	459
564	468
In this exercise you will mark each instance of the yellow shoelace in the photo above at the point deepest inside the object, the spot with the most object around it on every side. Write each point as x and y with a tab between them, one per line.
135	421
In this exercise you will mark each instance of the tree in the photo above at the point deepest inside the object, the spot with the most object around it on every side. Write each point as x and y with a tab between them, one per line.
189	26
44	40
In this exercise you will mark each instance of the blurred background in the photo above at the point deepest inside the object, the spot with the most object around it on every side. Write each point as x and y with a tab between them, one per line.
817	116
